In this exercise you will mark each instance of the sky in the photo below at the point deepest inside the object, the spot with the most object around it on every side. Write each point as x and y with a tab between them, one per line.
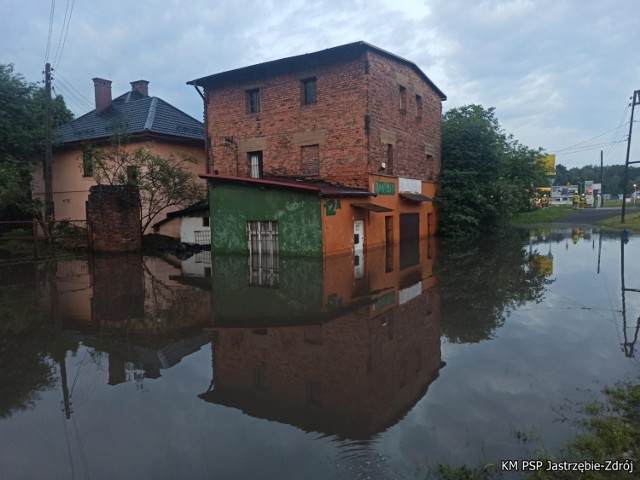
560	73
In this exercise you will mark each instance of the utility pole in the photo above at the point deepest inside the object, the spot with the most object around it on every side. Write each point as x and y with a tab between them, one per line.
601	179
47	169
635	101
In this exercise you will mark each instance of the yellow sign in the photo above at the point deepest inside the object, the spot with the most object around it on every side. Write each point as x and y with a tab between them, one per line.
549	165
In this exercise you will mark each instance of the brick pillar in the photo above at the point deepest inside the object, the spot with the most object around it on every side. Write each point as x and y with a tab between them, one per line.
113	216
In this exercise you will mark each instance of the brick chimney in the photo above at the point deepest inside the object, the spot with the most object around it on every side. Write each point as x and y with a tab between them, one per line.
103	93
140	86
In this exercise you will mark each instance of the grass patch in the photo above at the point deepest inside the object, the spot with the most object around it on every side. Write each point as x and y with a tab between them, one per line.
609	432
632	222
541	215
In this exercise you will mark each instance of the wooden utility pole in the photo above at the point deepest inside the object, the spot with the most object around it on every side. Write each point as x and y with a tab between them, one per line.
47	169
601	179
635	101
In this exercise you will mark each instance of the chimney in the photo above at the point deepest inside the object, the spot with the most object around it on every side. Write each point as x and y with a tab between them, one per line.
140	86
103	93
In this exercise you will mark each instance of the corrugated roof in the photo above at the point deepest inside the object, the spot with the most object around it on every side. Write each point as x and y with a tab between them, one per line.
134	114
328	56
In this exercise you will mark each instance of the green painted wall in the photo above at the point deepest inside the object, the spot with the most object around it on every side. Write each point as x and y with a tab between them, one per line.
297	299
298	216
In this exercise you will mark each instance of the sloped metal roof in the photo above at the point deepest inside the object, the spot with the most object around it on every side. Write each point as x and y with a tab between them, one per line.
132	113
328	56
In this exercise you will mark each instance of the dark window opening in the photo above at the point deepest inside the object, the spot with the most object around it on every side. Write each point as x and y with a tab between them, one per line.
87	163
253	100
418	107
205	221
132	175
403	99
309	91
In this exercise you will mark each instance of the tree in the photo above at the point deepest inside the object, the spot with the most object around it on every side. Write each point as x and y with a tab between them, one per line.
162	181
486	175
22	139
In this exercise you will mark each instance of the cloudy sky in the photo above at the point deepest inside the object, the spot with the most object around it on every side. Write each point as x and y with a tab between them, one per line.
560	73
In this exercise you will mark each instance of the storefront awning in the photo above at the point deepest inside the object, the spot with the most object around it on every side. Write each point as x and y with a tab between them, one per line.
415	197
372	207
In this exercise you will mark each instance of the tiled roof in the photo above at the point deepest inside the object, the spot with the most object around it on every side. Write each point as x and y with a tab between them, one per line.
134	114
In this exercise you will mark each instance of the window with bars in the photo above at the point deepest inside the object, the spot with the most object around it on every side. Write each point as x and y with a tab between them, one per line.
264	252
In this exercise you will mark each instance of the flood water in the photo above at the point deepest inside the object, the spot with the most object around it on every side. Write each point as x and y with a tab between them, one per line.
375	367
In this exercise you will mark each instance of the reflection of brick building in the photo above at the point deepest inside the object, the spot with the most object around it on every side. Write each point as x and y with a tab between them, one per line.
353	372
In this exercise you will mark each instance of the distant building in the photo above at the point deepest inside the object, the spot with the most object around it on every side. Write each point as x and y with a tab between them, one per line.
147	121
329	152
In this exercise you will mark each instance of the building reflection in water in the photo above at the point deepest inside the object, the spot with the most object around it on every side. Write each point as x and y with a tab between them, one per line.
144	313
344	346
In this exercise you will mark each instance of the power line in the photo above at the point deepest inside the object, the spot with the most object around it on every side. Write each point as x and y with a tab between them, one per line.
57	58
620	131
586	148
577	145
88	103
53	8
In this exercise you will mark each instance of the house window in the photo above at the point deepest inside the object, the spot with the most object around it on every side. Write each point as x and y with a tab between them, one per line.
253	100
132	175
418	107
309	91
403	99
310	155
389	152
255	160
205	221
87	163
264	250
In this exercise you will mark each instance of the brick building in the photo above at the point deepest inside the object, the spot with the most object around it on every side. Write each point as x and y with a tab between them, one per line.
352	132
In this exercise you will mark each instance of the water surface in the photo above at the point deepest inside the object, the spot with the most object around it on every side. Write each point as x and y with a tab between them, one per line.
380	366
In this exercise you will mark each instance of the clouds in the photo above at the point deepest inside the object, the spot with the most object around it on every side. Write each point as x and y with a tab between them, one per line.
558	72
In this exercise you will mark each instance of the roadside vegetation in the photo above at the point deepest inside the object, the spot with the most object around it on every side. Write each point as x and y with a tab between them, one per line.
486	174
631	221
609	433
541	215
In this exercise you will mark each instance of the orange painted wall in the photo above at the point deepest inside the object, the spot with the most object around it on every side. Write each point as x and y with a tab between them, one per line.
71	189
338	228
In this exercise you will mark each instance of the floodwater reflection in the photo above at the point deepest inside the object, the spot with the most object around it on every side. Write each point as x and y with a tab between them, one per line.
333	349
382	364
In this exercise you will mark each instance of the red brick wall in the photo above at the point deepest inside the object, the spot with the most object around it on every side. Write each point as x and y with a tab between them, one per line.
365	370
335	123
113	216
412	134
357	108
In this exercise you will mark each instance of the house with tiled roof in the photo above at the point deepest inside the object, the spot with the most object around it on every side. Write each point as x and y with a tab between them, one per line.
146	121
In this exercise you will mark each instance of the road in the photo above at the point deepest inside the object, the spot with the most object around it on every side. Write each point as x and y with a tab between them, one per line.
589	216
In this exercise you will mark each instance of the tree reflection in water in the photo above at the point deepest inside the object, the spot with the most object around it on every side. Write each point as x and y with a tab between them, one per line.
482	281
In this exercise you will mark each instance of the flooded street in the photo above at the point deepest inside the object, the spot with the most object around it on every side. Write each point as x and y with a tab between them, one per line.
378	366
